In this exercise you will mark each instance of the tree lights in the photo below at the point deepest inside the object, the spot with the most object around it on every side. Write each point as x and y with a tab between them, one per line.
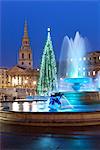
48	73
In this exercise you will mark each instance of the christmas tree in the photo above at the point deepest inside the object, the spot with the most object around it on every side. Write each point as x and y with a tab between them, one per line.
48	72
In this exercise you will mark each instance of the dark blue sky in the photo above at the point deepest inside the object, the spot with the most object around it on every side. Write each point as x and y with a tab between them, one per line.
64	17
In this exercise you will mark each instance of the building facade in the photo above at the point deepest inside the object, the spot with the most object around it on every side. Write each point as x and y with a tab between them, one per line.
22	77
3	78
93	63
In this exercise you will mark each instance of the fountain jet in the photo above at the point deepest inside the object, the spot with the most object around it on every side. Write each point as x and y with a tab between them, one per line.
73	61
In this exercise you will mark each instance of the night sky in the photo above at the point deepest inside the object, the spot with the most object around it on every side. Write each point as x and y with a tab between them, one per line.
63	17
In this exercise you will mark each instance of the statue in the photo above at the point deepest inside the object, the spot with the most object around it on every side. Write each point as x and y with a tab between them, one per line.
55	101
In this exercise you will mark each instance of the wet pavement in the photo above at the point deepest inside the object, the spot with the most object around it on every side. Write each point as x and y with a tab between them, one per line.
15	137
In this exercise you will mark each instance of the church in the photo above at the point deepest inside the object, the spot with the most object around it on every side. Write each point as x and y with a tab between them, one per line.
23	76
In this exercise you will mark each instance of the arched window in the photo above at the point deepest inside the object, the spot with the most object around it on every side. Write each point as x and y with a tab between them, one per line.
94	59
22	55
22	63
29	56
29	63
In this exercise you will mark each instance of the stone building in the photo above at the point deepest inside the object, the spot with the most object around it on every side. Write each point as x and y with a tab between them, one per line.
93	63
23	76
3	77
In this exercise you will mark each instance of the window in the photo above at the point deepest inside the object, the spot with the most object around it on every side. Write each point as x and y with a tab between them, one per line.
25	42
22	55
29	56
29	63
93	73
94	59
22	63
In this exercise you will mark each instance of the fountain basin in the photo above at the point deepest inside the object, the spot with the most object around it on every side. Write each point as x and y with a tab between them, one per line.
78	80
77	83
51	118
82	98
78	117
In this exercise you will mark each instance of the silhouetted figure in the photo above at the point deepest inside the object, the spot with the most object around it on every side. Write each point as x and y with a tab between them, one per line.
55	101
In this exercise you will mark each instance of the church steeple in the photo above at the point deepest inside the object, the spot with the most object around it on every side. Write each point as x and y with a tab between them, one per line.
25	40
25	52
25	30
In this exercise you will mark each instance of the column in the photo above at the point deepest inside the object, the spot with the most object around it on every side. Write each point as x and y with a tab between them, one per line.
20	106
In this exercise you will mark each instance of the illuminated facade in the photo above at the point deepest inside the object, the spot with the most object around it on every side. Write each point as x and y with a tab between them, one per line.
3	78
93	62
23	76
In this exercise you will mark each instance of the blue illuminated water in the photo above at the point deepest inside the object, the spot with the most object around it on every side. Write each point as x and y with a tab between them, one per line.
72	57
46	138
72	66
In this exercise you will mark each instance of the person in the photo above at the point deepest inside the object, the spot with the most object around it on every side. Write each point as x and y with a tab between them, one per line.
55	100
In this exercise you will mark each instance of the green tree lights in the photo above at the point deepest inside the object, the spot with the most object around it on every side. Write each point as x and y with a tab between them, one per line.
48	73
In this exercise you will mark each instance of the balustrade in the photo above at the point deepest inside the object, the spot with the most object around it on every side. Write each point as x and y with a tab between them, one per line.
24	106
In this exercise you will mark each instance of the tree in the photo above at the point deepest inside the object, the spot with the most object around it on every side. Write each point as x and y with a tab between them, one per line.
48	72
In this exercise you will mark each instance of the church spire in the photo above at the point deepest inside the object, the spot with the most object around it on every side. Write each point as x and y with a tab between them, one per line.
25	40
25	52
25	29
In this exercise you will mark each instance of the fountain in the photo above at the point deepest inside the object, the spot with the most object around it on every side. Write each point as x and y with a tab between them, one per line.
73	54
74	83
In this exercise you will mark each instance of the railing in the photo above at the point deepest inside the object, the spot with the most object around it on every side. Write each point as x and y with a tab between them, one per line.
25	105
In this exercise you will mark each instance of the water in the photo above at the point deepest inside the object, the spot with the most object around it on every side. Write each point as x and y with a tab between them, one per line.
76	52
72	67
73	57
49	138
65	106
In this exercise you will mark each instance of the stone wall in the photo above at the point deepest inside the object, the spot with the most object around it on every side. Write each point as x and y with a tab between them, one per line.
51	119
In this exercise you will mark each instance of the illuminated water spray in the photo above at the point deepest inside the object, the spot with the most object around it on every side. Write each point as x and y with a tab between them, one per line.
76	53
72	67
73	57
